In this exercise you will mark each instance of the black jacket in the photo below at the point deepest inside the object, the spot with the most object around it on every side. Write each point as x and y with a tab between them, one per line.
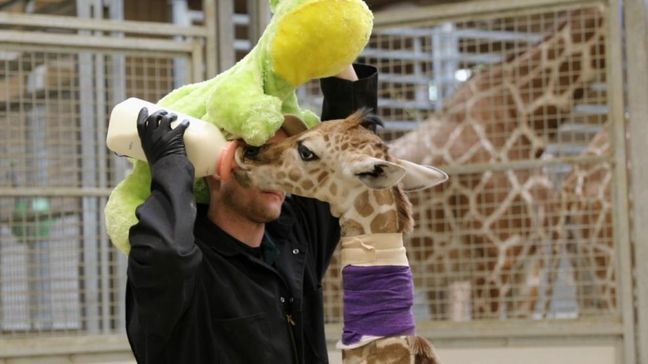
197	295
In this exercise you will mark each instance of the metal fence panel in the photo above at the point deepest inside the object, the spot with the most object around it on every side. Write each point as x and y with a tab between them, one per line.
514	105
58	271
59	78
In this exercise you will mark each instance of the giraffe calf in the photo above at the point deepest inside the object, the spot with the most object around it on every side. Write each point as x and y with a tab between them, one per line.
344	163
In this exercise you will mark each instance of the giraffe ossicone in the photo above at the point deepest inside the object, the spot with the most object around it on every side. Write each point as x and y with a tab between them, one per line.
347	165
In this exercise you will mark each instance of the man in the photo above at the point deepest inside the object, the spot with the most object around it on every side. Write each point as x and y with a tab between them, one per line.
238	281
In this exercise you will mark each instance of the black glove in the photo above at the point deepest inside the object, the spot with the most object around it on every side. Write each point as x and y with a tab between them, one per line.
157	137
343	97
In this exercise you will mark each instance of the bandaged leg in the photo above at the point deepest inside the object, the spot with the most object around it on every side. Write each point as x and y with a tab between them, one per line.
378	287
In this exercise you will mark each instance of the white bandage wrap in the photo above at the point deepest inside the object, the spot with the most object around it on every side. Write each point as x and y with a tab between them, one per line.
373	249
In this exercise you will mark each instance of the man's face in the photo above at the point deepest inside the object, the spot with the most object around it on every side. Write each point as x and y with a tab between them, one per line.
248	202
253	204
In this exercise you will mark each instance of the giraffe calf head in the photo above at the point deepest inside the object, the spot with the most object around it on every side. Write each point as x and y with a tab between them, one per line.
332	162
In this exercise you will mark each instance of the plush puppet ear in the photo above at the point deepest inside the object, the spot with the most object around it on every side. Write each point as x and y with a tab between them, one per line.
376	173
420	177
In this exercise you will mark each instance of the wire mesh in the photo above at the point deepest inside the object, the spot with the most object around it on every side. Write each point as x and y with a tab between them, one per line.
43	280
58	271
498	241
486	99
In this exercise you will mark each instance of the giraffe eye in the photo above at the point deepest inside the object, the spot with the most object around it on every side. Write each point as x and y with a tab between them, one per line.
251	152
306	154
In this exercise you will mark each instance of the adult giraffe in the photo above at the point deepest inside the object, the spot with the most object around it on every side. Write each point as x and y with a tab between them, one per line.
483	234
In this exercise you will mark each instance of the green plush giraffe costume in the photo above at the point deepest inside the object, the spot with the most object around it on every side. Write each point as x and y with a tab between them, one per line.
306	39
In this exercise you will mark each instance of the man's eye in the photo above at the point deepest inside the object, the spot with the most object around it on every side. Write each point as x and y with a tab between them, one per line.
306	154
251	152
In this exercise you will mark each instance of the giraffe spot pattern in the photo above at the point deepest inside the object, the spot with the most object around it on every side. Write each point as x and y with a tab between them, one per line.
383	197
386	221
294	175
307	185
333	189
351	227
322	176
362	205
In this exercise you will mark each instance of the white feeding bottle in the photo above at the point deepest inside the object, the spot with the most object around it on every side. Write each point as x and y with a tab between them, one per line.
204	142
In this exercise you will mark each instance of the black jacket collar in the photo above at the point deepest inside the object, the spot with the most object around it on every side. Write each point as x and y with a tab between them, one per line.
207	232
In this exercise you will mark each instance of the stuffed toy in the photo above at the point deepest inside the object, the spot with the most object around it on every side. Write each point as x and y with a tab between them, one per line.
305	40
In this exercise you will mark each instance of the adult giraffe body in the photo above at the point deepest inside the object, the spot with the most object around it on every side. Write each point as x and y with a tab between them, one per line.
345	164
485	232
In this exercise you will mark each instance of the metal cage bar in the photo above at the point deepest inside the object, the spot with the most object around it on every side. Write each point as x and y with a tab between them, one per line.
636	32
122	26
463	11
620	216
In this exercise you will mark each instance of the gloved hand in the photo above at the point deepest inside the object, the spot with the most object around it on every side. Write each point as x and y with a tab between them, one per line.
157	137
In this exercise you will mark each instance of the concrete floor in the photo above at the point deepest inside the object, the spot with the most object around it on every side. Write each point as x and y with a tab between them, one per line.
526	355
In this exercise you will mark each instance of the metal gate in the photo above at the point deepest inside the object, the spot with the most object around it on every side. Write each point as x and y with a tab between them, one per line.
59	78
62	284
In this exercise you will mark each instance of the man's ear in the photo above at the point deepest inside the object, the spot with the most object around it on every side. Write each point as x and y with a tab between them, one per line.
376	173
420	177
226	161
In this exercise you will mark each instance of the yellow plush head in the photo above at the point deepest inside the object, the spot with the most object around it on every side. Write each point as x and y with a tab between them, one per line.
317	38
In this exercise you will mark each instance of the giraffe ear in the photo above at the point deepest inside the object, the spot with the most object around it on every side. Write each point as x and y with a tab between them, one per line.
377	173
420	177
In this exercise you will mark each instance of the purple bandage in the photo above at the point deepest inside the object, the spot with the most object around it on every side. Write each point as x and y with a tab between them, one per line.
377	301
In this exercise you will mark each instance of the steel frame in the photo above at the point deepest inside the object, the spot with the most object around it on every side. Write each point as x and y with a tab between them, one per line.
636	53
